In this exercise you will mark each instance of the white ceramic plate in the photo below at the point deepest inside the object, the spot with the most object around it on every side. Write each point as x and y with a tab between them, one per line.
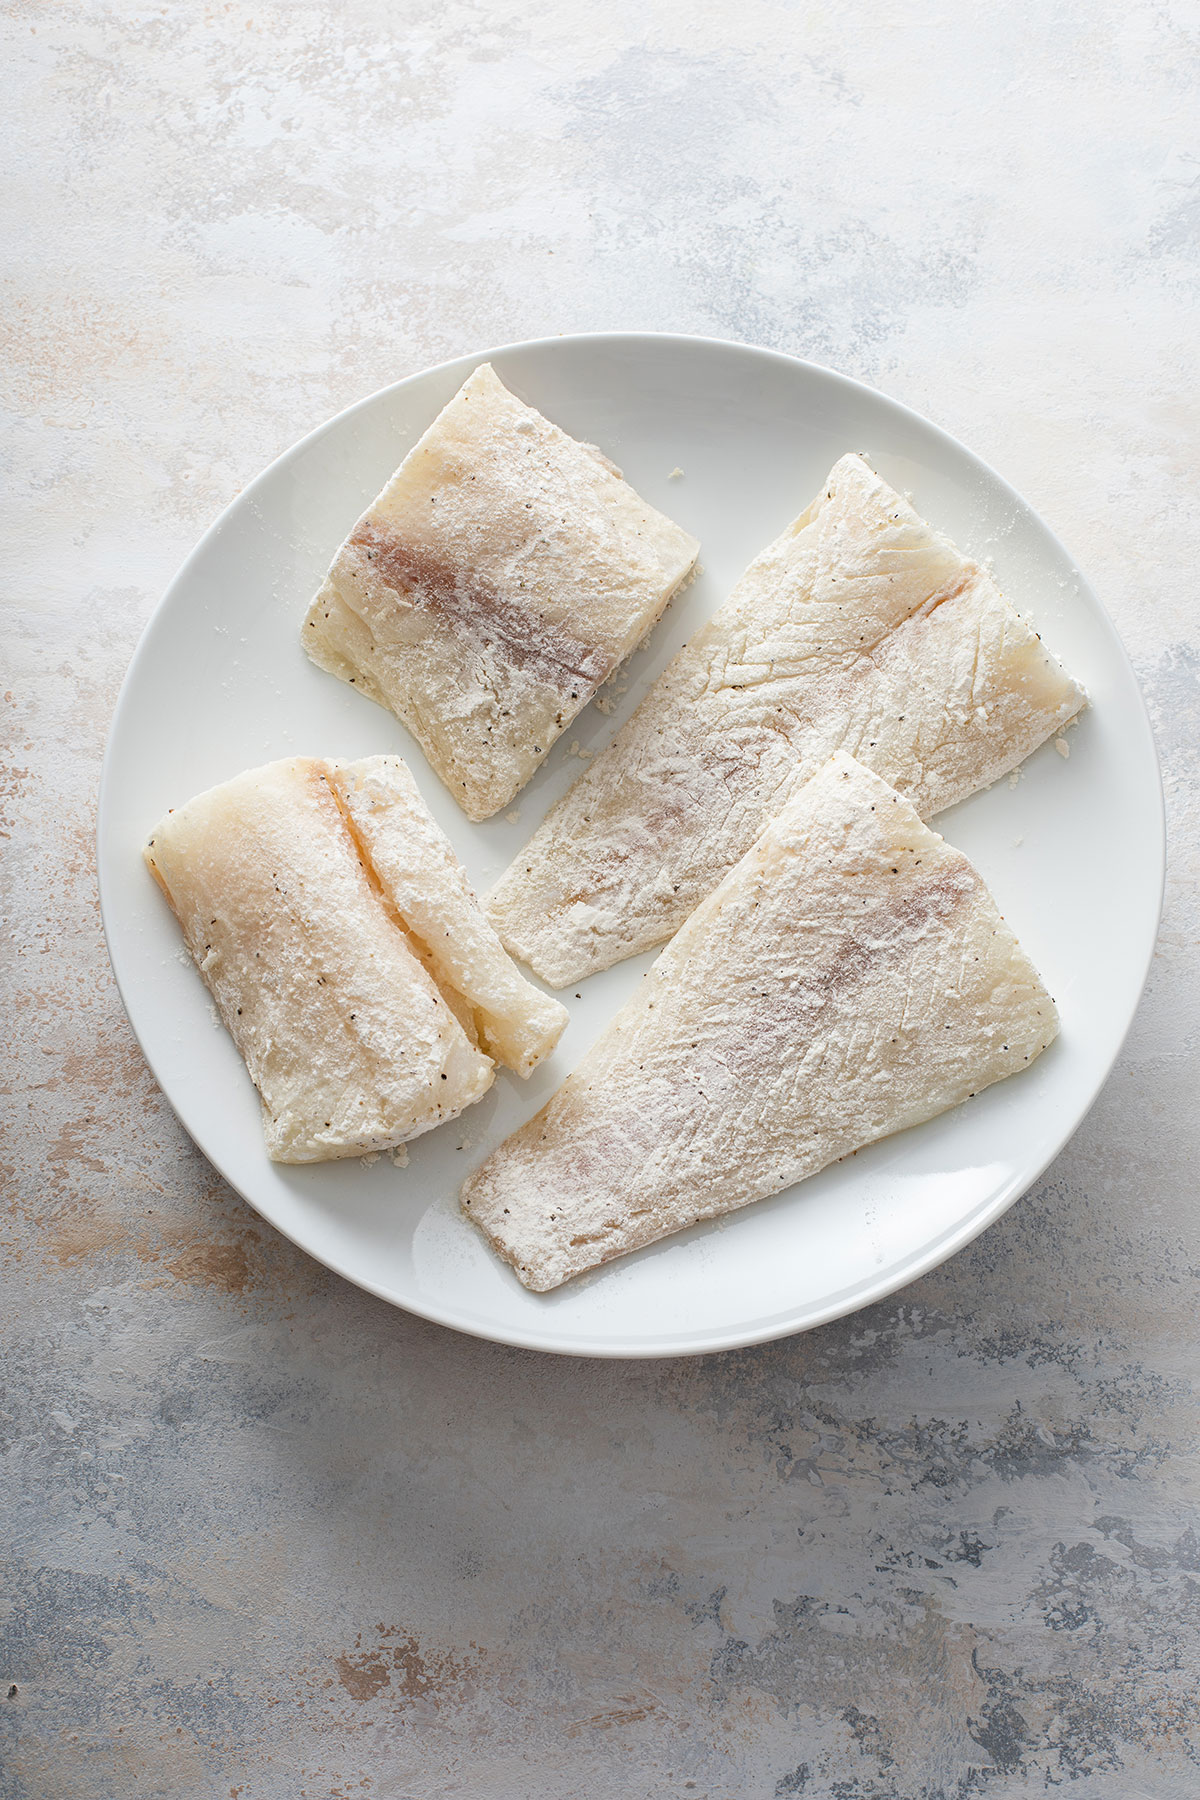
219	684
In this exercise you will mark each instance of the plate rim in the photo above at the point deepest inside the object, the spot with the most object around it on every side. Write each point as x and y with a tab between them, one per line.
867	1292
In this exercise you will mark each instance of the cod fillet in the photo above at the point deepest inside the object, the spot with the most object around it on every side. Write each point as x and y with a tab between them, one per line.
850	977
502	574
859	629
346	953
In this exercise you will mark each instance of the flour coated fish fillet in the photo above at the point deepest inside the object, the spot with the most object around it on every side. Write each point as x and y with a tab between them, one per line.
859	629
851	976
502	574
424	881
308	892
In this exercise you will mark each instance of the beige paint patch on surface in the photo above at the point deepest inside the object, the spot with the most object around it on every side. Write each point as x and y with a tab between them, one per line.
397	1663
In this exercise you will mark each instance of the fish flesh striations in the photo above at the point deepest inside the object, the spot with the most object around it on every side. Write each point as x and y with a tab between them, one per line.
851	976
502	575
346	953
859	629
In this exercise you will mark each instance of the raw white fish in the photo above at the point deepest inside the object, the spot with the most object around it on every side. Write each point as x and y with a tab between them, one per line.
502	574
308	893
850	977
859	629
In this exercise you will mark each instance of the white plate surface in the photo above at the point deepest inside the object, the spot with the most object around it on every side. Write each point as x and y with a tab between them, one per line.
219	683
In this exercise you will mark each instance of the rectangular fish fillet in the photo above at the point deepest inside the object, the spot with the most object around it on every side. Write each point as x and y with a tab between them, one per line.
346	953
502	574
859	629
851	976
424	881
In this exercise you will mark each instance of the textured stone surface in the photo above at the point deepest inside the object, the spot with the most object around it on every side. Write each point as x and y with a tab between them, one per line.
263	1536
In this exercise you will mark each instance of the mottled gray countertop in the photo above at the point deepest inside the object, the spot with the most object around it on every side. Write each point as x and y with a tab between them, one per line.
266	1538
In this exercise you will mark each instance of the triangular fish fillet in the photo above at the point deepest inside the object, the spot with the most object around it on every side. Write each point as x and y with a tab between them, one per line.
501	576
850	977
346	953
859	629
